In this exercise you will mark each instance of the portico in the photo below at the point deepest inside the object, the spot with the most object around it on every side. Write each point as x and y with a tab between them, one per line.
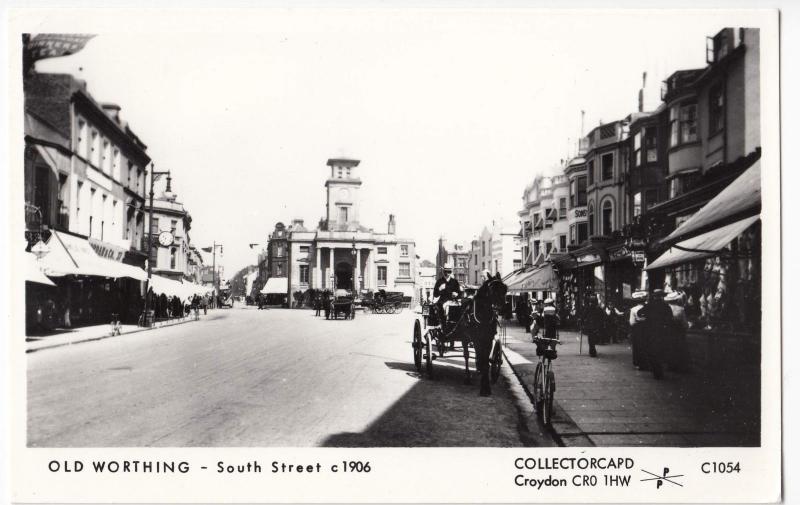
338	264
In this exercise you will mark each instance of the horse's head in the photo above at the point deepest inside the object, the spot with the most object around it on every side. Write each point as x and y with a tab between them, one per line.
497	293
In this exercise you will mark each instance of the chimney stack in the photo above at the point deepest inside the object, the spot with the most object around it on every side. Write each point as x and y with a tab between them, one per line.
112	110
392	225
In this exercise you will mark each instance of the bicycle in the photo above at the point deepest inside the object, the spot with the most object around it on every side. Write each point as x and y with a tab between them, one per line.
544	380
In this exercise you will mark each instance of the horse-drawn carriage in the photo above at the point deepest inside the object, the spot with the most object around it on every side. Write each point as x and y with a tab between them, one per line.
473	322
384	302
341	303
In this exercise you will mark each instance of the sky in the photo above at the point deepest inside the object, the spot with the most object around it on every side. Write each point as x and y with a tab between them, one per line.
452	113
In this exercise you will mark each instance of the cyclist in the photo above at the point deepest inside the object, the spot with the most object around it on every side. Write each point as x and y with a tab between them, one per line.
550	324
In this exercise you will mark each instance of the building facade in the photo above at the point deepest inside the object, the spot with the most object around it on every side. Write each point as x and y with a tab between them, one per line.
84	173
455	256
497	249
342	253
173	260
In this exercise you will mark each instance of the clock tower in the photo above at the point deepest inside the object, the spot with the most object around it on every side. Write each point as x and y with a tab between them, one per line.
342	187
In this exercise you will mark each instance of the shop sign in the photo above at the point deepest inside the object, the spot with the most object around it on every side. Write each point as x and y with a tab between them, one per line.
638	256
620	253
580	212
588	258
636	243
107	251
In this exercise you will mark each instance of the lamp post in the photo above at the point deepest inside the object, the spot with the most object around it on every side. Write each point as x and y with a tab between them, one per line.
353	257
153	176
213	250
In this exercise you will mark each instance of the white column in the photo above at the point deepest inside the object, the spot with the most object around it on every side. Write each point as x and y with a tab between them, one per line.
317	273
329	273
357	272
373	280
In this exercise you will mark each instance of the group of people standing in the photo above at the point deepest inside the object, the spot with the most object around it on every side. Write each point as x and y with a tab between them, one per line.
656	326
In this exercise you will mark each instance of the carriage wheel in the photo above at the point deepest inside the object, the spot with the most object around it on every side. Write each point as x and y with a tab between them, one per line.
497	361
429	355
399	309
390	309
416	344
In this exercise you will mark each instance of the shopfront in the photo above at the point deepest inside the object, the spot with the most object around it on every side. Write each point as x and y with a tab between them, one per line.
714	260
89	288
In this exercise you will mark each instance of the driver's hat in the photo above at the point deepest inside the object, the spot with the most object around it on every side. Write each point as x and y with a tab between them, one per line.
639	295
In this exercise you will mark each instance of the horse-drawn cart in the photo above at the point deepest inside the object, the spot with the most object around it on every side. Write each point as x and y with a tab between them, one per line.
342	303
473	323
384	302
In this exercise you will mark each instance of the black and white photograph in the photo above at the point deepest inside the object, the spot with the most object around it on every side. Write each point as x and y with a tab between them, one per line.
397	229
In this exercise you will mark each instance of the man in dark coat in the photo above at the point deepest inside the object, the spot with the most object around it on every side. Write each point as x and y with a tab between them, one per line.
593	318
658	327
446	289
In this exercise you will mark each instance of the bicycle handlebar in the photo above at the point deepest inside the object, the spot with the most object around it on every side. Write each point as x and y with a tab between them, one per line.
542	339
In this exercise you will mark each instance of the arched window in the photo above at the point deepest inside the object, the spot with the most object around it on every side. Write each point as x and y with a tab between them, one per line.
590	219
608	217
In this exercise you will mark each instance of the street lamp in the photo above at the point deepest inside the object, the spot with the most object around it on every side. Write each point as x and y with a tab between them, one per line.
213	250
153	176
353	257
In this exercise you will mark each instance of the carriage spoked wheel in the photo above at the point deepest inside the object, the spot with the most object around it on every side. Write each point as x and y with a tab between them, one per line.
416	344
496	361
390	309
429	355
378	309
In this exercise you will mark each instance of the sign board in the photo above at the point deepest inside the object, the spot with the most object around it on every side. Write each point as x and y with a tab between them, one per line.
638	256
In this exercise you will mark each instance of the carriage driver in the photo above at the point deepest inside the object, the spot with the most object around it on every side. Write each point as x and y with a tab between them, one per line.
447	289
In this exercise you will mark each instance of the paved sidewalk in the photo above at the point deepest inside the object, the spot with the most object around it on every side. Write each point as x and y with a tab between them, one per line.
70	336
605	401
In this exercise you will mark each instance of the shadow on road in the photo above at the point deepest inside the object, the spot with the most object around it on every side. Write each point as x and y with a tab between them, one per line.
442	412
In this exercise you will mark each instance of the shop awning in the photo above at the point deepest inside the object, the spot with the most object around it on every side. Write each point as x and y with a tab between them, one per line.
171	287
276	286
58	161
33	273
702	246
71	255
540	279
740	197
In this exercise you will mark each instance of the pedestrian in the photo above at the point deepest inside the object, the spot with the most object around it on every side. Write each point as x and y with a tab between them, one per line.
593	318
678	357
204	303
636	323
658	329
317	305
326	304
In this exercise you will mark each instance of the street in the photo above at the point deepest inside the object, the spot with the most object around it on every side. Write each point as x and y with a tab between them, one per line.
245	377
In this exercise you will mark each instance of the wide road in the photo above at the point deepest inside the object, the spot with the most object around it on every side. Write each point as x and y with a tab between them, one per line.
244	377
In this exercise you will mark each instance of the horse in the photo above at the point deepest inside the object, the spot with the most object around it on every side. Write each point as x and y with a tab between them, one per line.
478	326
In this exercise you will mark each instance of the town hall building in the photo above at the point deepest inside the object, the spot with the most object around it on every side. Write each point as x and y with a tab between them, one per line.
342	253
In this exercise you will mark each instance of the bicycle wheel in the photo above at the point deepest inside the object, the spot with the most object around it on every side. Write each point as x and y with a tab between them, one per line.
547	389
537	389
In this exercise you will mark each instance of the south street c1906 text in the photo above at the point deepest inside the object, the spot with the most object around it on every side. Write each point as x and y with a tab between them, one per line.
168	467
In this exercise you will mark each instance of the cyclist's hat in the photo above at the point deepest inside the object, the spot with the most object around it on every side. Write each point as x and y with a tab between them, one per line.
673	297
639	295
